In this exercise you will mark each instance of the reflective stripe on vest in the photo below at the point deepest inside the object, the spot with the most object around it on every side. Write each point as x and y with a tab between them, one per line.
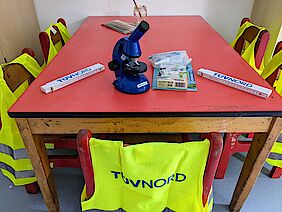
53	51
249	51
275	156
17	174
13	157
15	154
148	177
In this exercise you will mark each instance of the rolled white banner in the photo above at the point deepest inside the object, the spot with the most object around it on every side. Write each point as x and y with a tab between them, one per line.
72	78
235	83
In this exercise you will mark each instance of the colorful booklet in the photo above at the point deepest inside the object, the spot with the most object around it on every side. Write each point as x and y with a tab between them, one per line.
177	78
173	71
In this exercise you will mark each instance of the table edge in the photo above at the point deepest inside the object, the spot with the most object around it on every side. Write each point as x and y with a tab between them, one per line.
142	114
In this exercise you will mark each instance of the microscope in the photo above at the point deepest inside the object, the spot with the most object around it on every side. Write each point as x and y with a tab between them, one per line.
129	72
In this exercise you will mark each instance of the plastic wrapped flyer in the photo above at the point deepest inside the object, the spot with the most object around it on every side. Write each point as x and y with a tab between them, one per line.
170	58
173	71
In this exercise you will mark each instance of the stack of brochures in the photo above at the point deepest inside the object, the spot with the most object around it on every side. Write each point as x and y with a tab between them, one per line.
173	71
120	26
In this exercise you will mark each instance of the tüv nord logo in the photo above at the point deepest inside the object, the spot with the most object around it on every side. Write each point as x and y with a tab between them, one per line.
76	74
157	183
231	79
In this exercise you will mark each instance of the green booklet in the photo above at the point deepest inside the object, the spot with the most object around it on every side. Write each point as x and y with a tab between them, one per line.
176	77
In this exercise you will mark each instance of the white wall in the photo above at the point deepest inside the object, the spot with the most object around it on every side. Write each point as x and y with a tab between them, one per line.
223	15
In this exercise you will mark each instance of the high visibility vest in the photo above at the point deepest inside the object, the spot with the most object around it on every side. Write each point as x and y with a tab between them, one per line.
274	63
275	156
14	161
54	49
148	177
249	51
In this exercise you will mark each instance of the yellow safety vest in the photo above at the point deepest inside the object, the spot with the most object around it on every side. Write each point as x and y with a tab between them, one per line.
149	177
14	161
249	51
274	63
54	49
275	157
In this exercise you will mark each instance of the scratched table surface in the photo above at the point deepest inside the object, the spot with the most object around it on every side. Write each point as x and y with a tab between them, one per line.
97	97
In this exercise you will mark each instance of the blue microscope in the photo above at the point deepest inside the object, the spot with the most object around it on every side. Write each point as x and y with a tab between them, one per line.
128	70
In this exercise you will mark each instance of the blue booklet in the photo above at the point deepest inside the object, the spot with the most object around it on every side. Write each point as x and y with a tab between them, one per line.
174	77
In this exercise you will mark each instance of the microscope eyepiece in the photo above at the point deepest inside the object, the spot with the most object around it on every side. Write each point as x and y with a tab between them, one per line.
144	26
140	30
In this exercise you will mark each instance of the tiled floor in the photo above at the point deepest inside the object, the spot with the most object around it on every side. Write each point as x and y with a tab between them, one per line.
266	196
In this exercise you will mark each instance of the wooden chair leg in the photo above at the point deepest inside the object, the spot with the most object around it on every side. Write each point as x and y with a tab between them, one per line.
32	188
275	172
225	156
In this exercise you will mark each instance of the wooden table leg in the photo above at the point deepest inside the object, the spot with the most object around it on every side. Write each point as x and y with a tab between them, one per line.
259	151
39	159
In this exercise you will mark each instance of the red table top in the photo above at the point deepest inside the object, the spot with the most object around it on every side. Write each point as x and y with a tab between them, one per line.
97	97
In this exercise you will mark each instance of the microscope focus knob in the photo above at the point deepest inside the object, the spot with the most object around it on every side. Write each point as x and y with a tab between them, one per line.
113	65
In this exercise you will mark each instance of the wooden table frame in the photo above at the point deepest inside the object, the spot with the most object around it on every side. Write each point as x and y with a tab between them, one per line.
267	131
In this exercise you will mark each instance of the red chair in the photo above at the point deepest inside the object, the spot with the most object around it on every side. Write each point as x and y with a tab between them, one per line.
59	142
249	35
56	38
231	143
16	74
62	142
276	172
87	168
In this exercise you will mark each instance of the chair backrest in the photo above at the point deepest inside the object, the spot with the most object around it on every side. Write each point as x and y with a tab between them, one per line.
249	35
56	38
16	74
87	168
274	76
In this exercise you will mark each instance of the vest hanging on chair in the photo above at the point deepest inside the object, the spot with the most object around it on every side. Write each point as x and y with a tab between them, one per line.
14	161
272	66
148	177
54	49
249	51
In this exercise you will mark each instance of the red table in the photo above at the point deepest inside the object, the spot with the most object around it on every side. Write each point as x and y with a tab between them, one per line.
95	104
